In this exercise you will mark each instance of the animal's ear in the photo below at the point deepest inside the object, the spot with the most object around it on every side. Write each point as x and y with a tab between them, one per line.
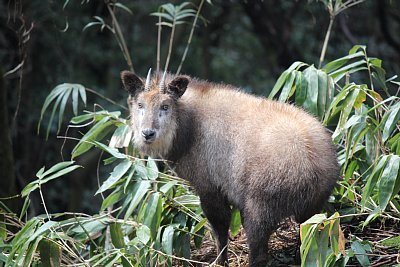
177	87
131	82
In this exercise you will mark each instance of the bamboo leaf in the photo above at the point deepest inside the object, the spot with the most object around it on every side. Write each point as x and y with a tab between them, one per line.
387	182
59	98
112	151
124	7
372	180
360	252
117	237
50	253
301	89
392	121
143	234
347	105
62	108
323	90
287	87
278	85
139	190
338	63
310	103
59	173
236	222
111	199
96	133
59	89
116	174
168	239
121	137
57	167
152	215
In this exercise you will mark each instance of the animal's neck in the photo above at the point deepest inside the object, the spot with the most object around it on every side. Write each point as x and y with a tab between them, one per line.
184	135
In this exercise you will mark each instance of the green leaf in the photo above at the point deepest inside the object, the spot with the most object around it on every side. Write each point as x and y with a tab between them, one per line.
62	109
30	252
116	174
59	98
360	252
392	121
113	198
236	222
168	186
310	103
50	253
392	242
278	85
140	189
372	179
32	186
387	182
117	237
301	89
56	92
59	173
75	95
163	15
168	239
55	168
323	90
152	169
347	107
121	137
96	133
143	234
124	7
112	151
152	216
336	64
287	87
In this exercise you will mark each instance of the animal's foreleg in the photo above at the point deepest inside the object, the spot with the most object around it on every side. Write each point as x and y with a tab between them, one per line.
218	213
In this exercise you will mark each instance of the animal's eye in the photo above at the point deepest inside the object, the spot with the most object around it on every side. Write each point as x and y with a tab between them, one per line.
164	107
140	105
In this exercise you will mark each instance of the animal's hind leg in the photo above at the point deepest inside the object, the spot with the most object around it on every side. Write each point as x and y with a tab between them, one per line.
218	213
259	227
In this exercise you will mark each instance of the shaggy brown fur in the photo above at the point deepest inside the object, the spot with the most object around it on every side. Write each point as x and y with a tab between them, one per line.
269	159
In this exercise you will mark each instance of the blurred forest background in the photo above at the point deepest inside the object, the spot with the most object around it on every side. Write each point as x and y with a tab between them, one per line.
244	43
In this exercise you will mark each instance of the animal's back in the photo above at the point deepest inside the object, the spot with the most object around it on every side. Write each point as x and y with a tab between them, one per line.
254	149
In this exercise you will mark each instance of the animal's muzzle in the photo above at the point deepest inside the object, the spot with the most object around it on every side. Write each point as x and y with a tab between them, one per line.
149	134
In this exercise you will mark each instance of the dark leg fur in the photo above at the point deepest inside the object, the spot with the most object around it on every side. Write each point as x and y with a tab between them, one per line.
218	213
258	229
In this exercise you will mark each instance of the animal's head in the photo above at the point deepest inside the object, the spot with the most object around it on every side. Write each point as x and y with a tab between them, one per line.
154	108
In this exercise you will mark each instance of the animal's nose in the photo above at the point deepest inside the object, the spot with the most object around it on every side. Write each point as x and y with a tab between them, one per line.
148	133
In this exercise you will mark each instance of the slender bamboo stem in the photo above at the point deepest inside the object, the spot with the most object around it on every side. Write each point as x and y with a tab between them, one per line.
190	37
120	39
159	44
171	40
326	41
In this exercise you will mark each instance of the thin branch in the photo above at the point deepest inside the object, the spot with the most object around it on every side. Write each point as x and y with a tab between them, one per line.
105	98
